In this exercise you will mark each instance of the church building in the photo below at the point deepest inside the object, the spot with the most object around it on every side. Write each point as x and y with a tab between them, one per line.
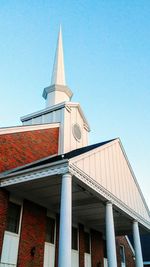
65	202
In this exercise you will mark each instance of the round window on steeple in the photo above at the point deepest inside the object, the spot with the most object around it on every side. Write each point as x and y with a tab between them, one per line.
76	131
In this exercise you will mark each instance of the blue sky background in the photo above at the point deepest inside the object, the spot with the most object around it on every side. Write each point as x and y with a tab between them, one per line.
107	60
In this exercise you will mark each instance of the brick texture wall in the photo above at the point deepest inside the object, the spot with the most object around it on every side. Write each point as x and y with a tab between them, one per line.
121	240
81	245
97	249
57	240
32	236
3	214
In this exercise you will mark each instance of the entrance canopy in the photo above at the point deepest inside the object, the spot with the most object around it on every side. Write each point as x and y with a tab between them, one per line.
101	173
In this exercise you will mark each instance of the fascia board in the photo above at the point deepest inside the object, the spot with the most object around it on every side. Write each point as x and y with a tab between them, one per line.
76	104
26	128
94	150
38	169
133	175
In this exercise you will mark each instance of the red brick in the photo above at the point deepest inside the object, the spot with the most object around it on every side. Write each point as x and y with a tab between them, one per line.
57	240
3	214
33	232
97	249
81	245
17	149
121	240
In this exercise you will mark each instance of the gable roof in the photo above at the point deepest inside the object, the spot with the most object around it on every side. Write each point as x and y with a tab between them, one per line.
108	165
25	144
68	155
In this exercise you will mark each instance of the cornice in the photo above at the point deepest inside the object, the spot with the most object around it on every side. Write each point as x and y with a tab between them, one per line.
34	174
57	87
86	179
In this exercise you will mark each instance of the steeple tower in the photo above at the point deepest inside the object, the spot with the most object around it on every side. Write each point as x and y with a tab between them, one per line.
58	91
58	74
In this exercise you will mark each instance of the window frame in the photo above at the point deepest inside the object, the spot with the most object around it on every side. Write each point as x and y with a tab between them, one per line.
75	227
124	256
19	219
87	232
52	218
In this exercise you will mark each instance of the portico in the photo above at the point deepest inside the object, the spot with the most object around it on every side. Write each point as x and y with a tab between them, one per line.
64	190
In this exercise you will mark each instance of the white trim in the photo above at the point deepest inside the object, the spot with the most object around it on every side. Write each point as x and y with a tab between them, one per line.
34	173
54	108
133	175
42	112
17	129
131	247
146	262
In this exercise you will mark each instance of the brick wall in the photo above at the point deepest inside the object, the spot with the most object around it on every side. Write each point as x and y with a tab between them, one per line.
32	237
121	240
3	214
97	249
57	240
81	245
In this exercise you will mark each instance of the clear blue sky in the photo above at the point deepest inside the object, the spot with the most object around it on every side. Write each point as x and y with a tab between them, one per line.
107	59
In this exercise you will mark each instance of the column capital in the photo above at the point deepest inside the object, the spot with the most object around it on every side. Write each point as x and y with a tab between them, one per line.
109	203
66	175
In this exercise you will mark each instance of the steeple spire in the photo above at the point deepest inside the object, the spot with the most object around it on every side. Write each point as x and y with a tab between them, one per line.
58	91
58	74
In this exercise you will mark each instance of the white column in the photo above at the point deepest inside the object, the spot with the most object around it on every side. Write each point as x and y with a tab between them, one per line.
64	259
137	245
110	236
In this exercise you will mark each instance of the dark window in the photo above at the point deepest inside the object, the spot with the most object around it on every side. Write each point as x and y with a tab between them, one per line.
105	249
87	242
122	254
50	230
74	238
13	218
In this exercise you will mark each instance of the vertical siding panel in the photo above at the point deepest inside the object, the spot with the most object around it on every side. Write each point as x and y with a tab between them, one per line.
115	174
108	173
118	185
126	182
92	166
86	165
122	176
97	167
103	178
111	166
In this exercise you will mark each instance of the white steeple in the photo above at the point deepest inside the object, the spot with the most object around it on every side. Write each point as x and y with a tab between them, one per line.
58	91
58	74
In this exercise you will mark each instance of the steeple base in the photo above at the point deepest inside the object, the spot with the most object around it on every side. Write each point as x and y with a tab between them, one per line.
56	94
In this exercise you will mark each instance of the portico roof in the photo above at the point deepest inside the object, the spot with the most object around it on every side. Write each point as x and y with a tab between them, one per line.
40	182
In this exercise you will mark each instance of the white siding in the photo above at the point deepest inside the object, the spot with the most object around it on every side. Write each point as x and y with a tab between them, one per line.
74	258
109	167
87	260
10	249
71	117
49	255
